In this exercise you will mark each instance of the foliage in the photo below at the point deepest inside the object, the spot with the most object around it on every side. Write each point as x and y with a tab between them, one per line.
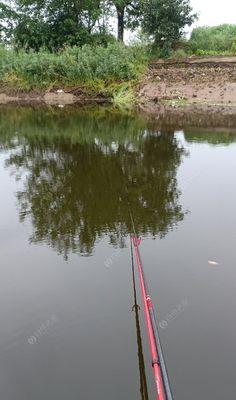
52	24
33	24
72	66
179	54
7	16
124	97
216	39
165	21
233	48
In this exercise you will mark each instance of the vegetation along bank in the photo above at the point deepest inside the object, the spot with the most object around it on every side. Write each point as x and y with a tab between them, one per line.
62	53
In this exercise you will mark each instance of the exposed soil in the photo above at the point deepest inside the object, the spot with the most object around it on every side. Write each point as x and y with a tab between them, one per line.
5	98
196	80
56	97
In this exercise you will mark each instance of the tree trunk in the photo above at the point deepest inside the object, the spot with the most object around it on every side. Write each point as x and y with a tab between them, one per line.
120	19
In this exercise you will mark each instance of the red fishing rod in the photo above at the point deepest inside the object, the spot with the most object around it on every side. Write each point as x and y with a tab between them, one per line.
158	362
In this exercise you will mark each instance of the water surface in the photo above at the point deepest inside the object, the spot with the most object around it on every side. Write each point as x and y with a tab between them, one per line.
69	180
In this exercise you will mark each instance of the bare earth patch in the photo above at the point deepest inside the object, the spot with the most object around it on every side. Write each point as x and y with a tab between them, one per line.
205	81
63	98
5	99
54	97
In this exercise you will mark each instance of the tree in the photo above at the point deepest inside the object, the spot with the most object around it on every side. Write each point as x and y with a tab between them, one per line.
52	23
7	17
128	13
165	20
55	23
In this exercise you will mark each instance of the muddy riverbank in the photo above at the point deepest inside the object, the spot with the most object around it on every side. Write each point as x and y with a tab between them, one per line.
208	83
59	97
204	81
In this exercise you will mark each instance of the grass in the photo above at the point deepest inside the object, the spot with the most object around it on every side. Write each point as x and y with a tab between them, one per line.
95	68
123	96
112	71
214	40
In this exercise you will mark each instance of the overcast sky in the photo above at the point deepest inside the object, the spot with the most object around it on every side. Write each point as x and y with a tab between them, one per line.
215	12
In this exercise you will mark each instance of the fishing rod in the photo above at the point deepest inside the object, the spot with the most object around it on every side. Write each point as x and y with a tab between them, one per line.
158	361
136	308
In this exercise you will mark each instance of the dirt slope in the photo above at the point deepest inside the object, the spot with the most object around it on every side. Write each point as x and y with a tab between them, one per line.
209	80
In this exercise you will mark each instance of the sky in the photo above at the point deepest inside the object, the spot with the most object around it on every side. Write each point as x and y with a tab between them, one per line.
215	12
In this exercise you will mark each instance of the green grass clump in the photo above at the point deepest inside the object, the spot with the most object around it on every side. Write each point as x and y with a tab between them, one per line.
123	96
179	54
213	40
72	66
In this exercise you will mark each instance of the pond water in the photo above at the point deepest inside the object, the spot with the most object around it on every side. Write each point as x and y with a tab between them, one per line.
68	329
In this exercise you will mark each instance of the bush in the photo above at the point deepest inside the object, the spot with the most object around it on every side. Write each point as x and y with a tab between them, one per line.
179	54
233	49
73	65
123	97
208	53
217	39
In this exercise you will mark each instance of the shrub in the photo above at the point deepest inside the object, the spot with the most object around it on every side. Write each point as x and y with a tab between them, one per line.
178	54
73	65
200	52
123	97
233	48
217	39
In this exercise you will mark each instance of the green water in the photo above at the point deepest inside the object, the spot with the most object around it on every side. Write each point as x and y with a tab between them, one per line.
69	180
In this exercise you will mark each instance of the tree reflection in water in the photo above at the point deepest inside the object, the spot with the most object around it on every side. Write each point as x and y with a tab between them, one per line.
83	172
